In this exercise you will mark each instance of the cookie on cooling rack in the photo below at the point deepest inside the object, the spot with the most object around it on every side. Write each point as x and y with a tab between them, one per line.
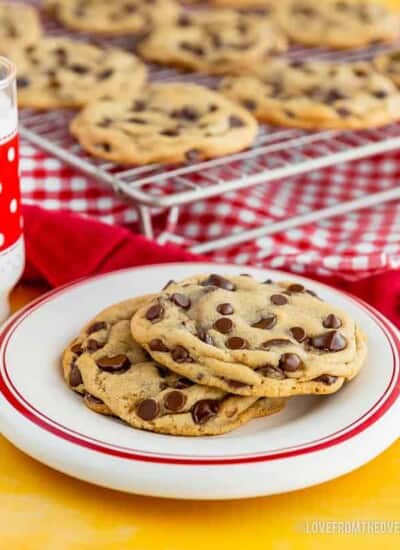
111	17
250	338
337	23
118	378
215	42
175	122
389	65
19	26
317	94
60	72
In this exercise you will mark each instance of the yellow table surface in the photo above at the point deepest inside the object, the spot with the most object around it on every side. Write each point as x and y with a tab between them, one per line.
41	509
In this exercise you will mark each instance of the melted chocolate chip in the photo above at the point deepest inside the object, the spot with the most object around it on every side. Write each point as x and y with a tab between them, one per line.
267	322
183	383
334	95
186	113
250	104
75	377
331	321
154	313
326	379
180	300
235	342
77	349
205	336
329	341
221	282
290	362
235	122
298	334
204	410
93	345
173	132
192	48
271	372
295	288
118	363
181	355
139	105
175	400
96	327
223	325
225	309
148	409
158	345
184	20
275	342
23	82
104	75
278	300
380	94
79	69
93	399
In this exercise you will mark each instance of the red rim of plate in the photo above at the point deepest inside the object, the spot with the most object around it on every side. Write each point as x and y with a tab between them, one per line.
21	405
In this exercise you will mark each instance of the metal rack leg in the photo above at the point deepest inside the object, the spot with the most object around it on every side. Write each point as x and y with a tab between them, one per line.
311	217
145	221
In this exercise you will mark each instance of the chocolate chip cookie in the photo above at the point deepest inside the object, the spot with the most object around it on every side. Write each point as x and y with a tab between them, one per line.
111	17
60	72
216	42
117	377
317	94
166	123
337	23
19	26
251	338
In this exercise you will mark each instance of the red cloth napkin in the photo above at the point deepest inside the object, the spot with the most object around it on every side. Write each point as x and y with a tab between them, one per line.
61	247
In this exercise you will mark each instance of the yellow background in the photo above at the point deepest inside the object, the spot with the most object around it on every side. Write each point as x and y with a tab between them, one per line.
41	509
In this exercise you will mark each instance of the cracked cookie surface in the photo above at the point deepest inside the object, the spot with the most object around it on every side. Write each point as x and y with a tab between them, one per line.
250	338
174	122
117	377
317	94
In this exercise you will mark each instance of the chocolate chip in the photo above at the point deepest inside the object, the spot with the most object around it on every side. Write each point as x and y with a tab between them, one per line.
296	64
93	399
184	20
278	300
117	363
96	327
75	377
180	300
295	288
268	282
223	325
225	309
139	105
93	345
250	104
192	48
174	400
105	146
329	341
212	108
104	75
136	120
79	69
380	94
271	372
235	342
193	155
326	379
343	112
205	336
298	334
235	122
183	383
148	409
186	113
162	371
331	321
275	342
170	282
173	132
267	322
181	355
105	122
221	282
290	362
334	95
23	82
155	312
204	410
77	349
157	345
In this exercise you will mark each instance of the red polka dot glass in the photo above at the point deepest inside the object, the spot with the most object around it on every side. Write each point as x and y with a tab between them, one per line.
11	239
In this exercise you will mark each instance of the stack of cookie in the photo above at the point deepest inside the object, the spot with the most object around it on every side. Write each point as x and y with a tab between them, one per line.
209	353
128	121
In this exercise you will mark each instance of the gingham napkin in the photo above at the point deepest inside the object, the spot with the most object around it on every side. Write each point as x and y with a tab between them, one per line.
350	247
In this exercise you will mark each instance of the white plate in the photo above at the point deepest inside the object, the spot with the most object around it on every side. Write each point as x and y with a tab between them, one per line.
314	439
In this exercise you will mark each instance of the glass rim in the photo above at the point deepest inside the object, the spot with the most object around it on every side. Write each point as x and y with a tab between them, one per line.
9	74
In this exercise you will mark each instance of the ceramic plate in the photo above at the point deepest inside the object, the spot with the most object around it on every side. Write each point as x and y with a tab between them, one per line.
314	439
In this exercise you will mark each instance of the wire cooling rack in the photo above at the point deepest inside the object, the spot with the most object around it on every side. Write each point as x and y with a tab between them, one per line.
277	154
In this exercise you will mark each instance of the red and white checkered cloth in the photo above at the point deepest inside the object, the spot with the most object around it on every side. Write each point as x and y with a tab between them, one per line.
353	246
